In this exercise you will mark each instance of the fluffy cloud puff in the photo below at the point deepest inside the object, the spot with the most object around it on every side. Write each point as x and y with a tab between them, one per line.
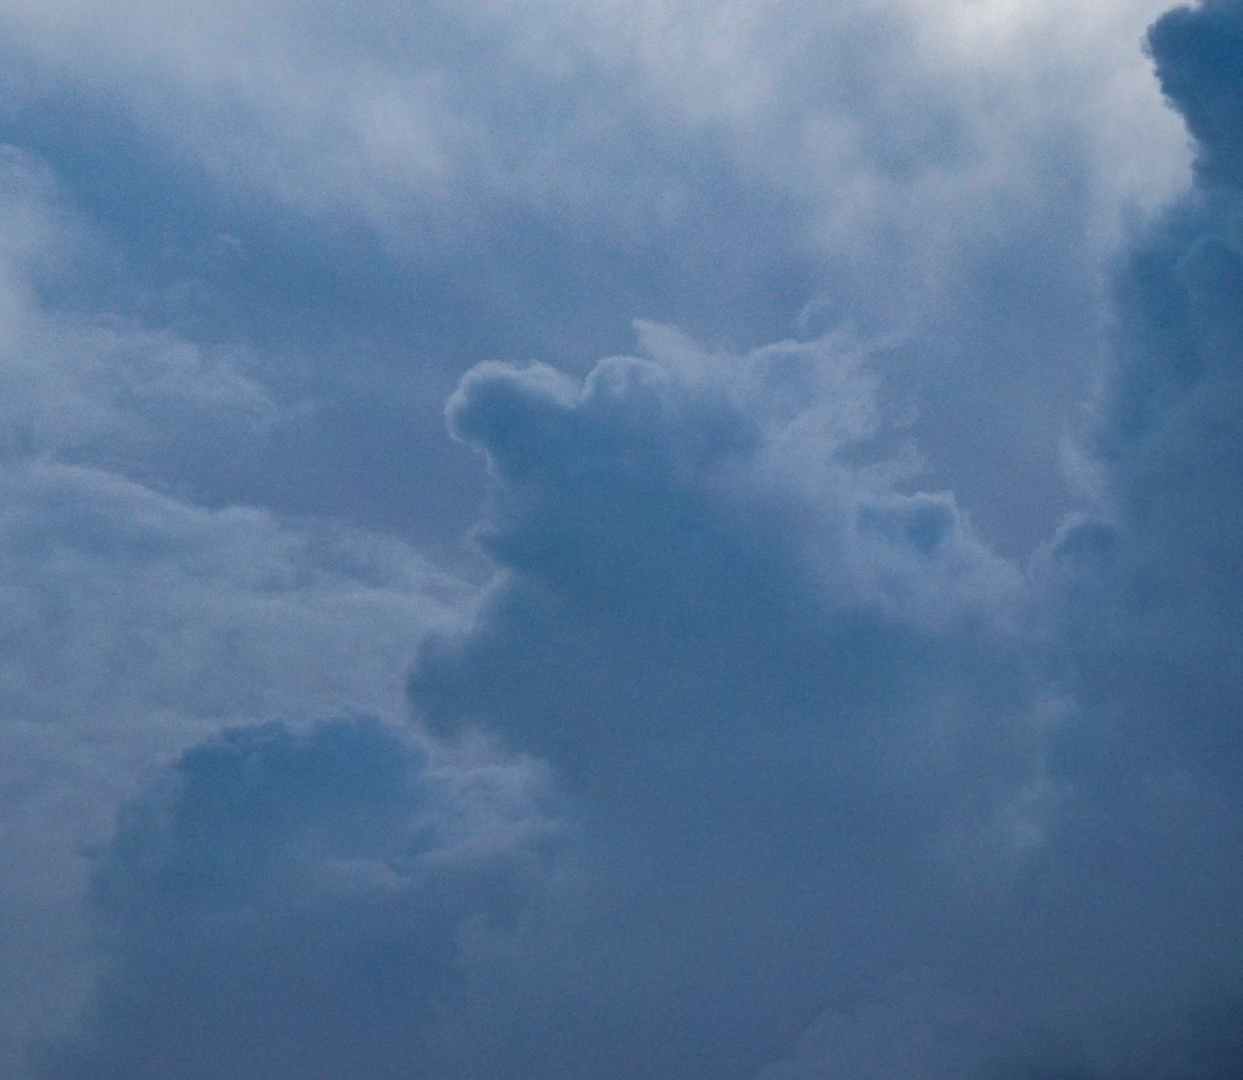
699	507
296	903
784	693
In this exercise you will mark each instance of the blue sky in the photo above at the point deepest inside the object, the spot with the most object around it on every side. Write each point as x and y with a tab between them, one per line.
635	541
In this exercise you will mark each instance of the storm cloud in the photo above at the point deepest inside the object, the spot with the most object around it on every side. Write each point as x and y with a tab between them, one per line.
840	679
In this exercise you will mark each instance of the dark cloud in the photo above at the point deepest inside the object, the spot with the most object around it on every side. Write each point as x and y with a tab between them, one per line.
1145	592
294	903
682	562
780	696
784	696
846	792
1163	648
1198	52
840	793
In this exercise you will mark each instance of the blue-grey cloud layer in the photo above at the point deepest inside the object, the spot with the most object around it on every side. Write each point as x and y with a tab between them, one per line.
755	754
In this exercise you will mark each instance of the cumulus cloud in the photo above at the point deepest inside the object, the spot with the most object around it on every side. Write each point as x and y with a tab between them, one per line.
757	660
698	506
297	902
134	625
814	752
792	701
1168	437
754	758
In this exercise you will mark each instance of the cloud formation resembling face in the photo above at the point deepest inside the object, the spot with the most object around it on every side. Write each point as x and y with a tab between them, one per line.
753	759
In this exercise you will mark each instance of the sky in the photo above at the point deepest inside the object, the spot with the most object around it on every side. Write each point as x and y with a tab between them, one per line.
630	540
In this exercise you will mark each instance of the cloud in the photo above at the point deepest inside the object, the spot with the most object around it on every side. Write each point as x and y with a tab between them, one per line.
696	506
135	621
372	109
102	389
839	789
514	180
1196	53
698	602
810	748
793	705
1168	437
729	643
134	625
296	902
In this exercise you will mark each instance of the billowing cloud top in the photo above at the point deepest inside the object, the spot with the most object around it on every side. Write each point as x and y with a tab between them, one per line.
839	680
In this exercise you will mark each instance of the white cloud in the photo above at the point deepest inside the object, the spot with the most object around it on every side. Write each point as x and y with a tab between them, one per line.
371	110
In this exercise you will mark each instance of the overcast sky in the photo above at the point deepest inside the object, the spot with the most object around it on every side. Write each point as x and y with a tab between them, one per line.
630	540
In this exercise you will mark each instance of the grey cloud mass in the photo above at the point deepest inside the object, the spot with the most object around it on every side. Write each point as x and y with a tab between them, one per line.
840	679
294	903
